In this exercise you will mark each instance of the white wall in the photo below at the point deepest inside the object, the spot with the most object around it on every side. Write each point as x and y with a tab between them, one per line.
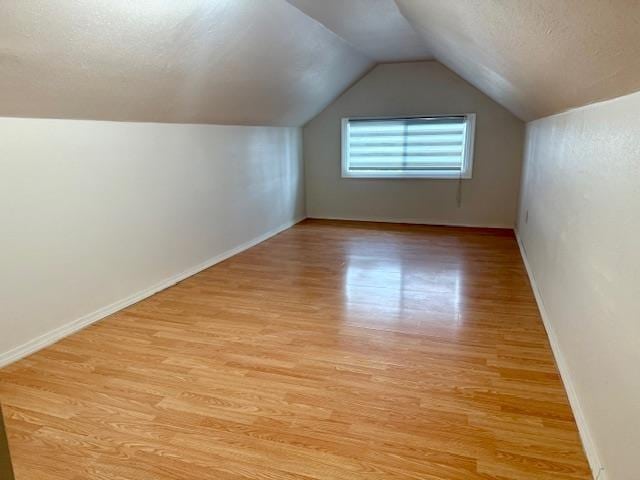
489	199
581	190
92	213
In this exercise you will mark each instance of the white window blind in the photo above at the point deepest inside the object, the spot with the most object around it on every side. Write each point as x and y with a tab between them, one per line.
422	147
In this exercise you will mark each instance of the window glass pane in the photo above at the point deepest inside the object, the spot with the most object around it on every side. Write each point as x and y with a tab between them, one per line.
406	145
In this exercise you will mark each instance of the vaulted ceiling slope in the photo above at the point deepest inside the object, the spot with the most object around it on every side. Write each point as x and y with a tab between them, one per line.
280	62
535	57
375	27
256	62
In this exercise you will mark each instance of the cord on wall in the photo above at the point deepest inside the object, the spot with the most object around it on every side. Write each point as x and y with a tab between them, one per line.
459	192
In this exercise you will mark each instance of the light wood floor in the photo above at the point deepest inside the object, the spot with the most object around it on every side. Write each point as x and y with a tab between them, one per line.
335	350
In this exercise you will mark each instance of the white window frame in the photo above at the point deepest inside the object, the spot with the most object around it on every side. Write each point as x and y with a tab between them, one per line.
467	168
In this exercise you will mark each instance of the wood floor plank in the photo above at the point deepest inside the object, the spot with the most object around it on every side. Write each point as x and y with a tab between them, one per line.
335	350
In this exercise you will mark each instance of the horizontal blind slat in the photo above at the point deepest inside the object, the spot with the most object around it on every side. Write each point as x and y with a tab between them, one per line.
400	143
402	133
375	161
408	149
400	156
410	122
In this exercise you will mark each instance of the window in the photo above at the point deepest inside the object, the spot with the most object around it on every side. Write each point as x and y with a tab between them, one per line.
409	147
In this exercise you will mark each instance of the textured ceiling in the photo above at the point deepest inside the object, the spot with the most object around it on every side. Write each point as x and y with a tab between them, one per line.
536	57
375	27
196	61
277	62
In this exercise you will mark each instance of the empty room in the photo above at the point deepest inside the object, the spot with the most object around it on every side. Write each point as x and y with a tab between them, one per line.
319	239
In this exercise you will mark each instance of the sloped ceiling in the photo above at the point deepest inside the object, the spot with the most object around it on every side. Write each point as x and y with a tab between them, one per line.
536	57
260	62
375	27
280	62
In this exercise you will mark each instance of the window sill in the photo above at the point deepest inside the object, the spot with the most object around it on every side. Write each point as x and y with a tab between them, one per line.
421	176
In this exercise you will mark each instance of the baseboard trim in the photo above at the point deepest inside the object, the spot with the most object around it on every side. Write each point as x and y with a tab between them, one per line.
597	469
412	221
53	336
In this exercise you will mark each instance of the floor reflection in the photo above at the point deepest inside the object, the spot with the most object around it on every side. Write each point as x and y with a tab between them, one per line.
397	288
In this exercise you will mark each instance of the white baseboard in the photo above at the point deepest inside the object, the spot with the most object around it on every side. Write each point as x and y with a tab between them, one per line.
412	221
53	336
597	469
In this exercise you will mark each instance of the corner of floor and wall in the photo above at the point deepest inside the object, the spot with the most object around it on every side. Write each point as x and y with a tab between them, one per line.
566	184
578	231
99	215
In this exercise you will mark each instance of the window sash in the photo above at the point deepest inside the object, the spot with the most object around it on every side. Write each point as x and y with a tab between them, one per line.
425	146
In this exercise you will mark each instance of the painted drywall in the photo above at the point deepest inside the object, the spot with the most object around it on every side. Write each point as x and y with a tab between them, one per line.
249	62
536	57
94	213
375	27
280	62
422	88
579	224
